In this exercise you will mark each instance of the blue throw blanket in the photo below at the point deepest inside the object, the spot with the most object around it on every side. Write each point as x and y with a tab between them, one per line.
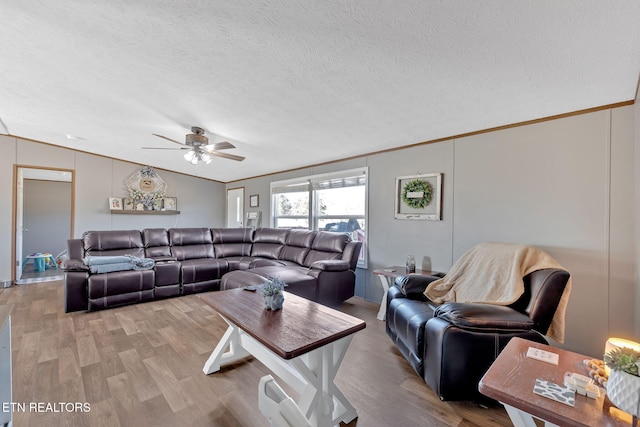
108	264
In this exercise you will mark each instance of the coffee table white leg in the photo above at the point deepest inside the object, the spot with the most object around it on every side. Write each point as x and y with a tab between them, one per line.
386	282
321	401
228	350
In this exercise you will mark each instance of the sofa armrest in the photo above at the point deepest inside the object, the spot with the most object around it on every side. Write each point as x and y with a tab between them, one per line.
414	285
74	265
330	265
483	317
75	249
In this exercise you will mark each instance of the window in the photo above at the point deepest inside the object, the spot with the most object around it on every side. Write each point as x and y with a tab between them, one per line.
330	202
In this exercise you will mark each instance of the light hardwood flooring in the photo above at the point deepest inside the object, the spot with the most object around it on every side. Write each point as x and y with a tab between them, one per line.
141	365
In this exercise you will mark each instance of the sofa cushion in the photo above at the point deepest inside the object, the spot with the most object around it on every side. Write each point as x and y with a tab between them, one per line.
156	242
232	242
119	288
191	243
268	242
326	245
297	246
484	317
113	243
202	270
189	236
298	282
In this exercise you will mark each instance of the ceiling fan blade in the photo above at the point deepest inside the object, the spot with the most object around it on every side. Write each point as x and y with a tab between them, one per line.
168	139
222	145
164	148
226	156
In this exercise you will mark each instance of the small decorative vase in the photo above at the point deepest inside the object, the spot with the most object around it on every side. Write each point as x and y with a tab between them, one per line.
623	390
273	302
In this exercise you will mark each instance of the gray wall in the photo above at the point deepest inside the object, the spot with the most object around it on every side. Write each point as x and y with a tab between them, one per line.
200	201
47	216
565	185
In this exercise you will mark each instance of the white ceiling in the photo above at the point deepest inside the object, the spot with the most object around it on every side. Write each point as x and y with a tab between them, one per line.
294	83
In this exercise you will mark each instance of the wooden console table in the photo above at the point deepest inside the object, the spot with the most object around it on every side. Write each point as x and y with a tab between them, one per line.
511	378
304	344
387	278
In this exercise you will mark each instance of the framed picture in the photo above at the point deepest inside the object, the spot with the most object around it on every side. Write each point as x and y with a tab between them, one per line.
419	197
127	204
254	201
115	203
170	204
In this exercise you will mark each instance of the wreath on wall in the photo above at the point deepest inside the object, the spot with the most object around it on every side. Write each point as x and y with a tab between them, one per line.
417	193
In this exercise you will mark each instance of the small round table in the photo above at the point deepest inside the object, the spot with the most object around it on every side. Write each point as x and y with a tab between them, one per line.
39	261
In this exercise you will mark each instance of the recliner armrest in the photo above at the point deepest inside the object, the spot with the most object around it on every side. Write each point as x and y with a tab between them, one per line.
330	265
414	285
74	265
483	317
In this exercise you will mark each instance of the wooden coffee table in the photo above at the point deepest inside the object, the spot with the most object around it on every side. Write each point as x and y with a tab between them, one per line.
304	344
510	381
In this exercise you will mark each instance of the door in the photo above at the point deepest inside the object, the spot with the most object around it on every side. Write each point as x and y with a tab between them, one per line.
43	218
235	207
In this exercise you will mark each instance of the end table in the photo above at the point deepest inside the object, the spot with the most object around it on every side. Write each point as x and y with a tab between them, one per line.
387	278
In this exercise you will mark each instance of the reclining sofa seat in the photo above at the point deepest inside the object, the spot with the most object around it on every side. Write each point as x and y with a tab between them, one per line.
319	266
234	245
200	269
118	287
452	345
189	260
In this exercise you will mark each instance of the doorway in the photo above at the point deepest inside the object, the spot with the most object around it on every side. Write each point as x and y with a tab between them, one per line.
43	222
235	207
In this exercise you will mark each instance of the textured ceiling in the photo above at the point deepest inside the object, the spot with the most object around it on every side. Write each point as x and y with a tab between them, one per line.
293	83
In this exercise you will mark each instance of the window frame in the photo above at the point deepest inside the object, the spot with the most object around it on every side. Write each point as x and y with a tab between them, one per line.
313	216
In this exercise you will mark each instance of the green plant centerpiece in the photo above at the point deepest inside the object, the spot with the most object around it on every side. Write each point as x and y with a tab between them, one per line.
623	359
623	387
272	292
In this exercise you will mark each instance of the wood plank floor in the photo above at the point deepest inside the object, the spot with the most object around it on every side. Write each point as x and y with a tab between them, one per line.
141	365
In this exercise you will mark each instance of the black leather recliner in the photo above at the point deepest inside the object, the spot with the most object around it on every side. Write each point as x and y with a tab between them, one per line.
452	345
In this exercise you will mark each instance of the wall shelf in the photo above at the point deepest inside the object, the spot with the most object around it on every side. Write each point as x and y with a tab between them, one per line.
136	212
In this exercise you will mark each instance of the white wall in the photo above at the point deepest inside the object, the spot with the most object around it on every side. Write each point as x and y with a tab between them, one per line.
200	201
565	185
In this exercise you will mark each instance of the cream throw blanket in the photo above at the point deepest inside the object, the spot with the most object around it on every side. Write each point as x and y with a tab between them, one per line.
492	273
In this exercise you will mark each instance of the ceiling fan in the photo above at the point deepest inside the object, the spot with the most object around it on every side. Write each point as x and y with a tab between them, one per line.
199	148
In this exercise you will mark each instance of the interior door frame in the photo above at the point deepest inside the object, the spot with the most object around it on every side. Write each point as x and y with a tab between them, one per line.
242	219
17	201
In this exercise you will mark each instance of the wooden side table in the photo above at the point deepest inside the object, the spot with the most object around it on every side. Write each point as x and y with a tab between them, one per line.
511	378
387	278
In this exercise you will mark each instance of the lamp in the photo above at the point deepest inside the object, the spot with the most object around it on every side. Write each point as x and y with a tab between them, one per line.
196	155
613	343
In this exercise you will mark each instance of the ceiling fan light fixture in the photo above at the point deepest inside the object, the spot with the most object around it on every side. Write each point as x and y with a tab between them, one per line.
205	158
189	155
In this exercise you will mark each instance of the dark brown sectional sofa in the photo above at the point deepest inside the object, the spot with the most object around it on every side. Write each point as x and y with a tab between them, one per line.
319	265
